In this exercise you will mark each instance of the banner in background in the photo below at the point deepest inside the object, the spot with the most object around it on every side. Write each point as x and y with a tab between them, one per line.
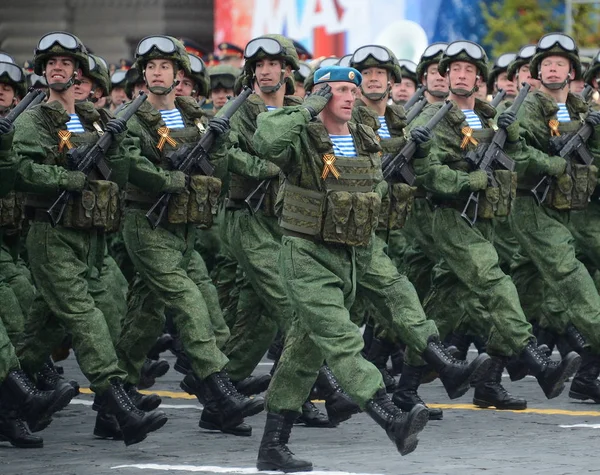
338	27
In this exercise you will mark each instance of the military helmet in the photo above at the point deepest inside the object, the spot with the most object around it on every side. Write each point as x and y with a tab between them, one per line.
199	74
303	72
409	69
162	47
36	81
375	56
132	78
523	57
500	66
119	78
223	76
322	62
270	46
593	70
432	55
14	76
467	51
555	44
6	58
97	69
58	43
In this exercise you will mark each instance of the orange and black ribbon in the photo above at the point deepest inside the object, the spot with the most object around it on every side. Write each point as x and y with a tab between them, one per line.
64	136
468	137
165	138
554	132
329	160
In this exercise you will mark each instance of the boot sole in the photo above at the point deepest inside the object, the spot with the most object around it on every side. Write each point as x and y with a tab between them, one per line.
582	397
260	386
487	404
266	466
107	435
210	426
150	404
142	432
415	423
559	385
314	423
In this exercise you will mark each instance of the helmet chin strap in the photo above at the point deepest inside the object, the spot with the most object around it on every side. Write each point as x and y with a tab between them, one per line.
376	96
276	87
62	86
161	90
438	94
556	86
464	92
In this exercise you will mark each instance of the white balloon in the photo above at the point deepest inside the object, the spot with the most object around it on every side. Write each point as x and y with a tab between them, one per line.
405	38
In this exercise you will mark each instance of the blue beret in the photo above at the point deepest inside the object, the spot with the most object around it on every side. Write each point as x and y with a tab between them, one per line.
337	74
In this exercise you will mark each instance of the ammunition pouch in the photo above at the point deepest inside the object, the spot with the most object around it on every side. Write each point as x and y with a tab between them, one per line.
395	206
12	210
573	190
98	207
495	202
198	205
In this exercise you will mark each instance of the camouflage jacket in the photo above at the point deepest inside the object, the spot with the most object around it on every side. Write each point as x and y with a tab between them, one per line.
395	117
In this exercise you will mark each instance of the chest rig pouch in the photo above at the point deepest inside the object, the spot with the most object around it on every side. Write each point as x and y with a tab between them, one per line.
573	189
495	201
12	210
347	211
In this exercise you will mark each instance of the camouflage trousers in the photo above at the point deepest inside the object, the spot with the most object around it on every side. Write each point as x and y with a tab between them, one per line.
550	239
320	281
8	357
161	258
263	307
65	266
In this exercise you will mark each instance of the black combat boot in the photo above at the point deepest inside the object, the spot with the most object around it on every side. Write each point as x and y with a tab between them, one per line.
231	404
135	424
461	344
397	358
192	385
37	405
162	344
211	419
274	453
546	337
312	417
551	375
456	375
144	402
253	384
490	392
379	354
15	430
49	379
516	367
338	404
401	427
106	426
585	384
151	370
406	396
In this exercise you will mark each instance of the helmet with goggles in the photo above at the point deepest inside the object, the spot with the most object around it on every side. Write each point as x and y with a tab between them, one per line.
97	69
14	76
555	44
376	56
199	75
522	58
162	47
270	46
432	55
302	73
467	51
500	66
223	76
593	70
119	78
409	70
59	43
6	58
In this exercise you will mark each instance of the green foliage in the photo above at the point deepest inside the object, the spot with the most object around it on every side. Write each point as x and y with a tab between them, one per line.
515	23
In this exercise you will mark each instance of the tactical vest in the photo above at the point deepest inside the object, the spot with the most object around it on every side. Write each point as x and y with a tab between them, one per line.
574	189
345	210
99	205
196	205
240	187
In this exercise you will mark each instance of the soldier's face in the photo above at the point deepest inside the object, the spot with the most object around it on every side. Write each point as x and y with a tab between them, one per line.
185	87
268	72
524	75
83	89
402	91
161	72
502	82
576	86
7	95
555	69
463	75
375	80
434	80
59	69
219	96
342	101
118	96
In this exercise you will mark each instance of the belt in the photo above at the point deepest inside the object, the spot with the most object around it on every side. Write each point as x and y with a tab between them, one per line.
37	215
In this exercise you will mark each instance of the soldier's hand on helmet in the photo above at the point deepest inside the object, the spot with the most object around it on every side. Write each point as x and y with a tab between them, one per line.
556	165
508	121
116	126
317	101
5	126
73	181
220	125
593	118
478	180
420	135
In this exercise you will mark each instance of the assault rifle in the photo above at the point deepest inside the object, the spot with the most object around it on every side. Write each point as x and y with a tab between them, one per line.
416	110
586	93
89	157
498	98
400	163
190	157
33	97
490	157
416	97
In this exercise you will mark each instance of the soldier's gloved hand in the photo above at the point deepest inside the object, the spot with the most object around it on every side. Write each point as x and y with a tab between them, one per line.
478	180
220	125
5	126
508	120
73	181
556	165
317	101
420	135
593	118
116	126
